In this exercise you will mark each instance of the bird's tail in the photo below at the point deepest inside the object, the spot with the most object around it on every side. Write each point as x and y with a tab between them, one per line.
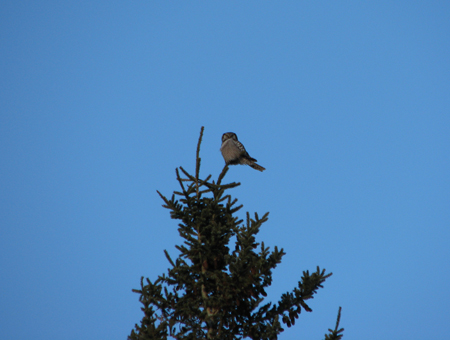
257	167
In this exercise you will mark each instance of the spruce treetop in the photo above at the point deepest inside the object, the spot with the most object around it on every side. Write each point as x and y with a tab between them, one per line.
211	291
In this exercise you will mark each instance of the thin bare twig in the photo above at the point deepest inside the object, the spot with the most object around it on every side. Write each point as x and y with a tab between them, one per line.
197	159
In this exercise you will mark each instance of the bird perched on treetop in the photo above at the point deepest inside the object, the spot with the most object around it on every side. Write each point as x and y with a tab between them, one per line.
233	152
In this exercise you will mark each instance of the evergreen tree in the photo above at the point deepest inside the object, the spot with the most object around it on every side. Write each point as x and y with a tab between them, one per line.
211	292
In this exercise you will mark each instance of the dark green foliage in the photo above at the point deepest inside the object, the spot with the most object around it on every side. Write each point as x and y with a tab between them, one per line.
335	334
210	291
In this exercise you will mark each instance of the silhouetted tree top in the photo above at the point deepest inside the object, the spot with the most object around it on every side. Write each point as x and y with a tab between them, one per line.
215	288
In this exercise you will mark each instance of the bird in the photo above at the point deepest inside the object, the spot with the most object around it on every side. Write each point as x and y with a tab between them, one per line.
233	152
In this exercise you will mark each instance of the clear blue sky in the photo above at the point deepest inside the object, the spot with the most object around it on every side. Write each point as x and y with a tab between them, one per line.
346	103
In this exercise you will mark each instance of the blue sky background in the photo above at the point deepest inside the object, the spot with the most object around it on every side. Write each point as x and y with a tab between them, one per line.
346	103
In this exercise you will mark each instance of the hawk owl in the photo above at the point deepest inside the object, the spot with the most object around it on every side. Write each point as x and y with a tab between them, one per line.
233	152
